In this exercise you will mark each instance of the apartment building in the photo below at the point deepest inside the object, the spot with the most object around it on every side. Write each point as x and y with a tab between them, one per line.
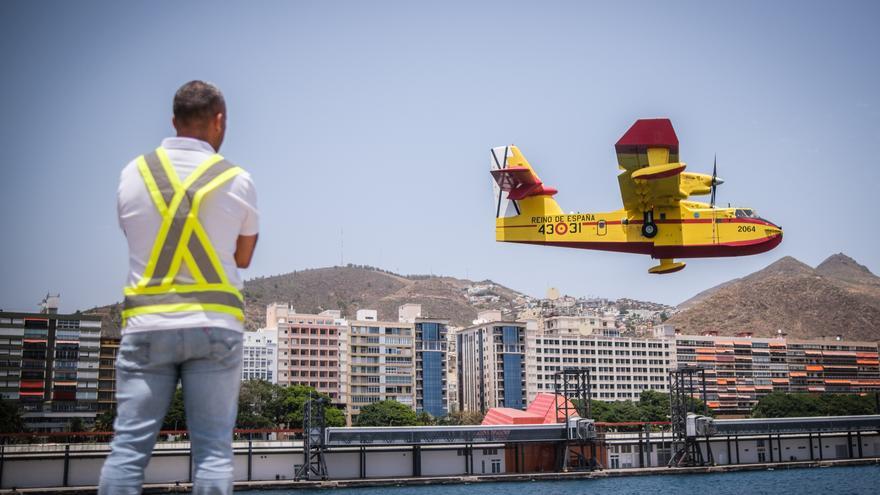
452	370
260	356
588	324
620	368
379	362
49	364
742	369
491	365
110	340
431	351
833	366
308	348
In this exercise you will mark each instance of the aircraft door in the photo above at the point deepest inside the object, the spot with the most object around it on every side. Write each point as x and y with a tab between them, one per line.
601	227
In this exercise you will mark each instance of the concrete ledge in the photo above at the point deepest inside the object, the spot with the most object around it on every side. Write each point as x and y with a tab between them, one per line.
493	478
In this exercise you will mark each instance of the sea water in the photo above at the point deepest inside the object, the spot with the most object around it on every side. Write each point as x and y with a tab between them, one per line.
821	481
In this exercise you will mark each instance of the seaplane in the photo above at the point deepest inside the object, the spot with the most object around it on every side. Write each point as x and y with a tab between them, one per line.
657	219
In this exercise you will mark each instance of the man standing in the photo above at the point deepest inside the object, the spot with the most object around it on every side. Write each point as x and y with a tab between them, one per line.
190	218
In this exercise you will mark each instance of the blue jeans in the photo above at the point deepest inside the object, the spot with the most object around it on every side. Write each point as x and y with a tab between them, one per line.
149	364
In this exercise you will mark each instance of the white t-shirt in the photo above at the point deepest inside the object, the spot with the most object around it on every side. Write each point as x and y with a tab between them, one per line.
225	213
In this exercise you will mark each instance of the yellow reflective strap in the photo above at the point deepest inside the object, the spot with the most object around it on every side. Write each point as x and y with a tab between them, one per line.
187	229
183	288
191	221
214	184
169	169
178	256
199	232
193	268
168	219
183	307
150	182
195	225
201	169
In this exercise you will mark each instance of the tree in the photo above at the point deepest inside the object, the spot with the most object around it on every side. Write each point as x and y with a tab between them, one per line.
175	418
654	405
10	417
265	405
782	405
333	416
461	418
387	413
76	425
424	418
104	421
256	405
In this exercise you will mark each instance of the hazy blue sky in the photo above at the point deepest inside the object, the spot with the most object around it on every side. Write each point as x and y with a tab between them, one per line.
376	119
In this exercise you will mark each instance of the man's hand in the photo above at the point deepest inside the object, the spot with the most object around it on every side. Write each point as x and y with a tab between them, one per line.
244	250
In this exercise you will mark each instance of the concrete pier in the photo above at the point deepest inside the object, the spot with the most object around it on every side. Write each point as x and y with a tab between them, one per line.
448	480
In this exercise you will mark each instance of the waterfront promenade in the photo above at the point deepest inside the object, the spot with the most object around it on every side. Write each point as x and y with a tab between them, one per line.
458	480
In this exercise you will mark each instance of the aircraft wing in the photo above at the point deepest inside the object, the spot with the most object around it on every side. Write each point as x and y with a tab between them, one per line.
651	173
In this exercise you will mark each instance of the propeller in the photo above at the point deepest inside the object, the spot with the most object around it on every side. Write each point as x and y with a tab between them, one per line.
715	180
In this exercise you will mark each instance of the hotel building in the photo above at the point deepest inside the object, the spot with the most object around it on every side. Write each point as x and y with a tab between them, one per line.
308	348
620	368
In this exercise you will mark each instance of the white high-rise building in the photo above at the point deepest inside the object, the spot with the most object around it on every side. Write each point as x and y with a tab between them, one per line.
620	368
260	361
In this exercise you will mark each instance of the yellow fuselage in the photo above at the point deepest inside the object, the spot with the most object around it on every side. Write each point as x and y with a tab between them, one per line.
688	230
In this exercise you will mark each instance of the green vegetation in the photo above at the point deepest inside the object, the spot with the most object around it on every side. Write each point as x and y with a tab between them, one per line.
104	421
10	417
782	405
387	413
651	406
264	405
460	418
261	405
391	413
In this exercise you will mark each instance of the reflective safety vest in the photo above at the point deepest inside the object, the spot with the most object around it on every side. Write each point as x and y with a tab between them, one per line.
182	240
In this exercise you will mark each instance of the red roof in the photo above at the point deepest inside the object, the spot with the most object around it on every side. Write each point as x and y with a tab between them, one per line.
545	406
541	411
508	416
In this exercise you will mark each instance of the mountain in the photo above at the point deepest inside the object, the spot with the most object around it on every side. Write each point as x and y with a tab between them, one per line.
353	287
838	297
847	271
787	265
350	288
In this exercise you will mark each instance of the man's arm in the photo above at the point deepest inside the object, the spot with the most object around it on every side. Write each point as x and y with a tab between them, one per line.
244	250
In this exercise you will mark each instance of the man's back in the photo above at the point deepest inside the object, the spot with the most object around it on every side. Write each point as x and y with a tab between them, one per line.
226	213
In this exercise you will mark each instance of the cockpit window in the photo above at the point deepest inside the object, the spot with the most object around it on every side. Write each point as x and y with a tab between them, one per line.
745	213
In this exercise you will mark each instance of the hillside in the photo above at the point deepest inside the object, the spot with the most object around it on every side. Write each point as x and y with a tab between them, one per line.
849	273
839	297
351	288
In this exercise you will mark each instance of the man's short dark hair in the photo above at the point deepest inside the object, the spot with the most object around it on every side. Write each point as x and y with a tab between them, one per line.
197	101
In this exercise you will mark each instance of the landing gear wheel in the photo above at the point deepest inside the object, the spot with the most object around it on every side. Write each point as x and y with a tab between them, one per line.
649	230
